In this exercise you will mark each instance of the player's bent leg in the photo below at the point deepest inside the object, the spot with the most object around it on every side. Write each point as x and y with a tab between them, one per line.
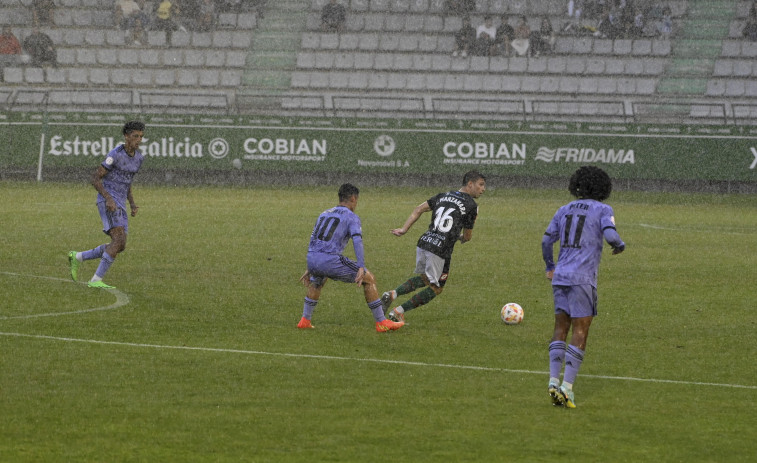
117	241
73	264
562	325
412	283
397	314
387	298
314	291
369	287
311	301
580	331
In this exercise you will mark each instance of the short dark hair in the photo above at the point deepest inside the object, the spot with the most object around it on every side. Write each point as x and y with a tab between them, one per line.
347	191
590	182
131	126
472	176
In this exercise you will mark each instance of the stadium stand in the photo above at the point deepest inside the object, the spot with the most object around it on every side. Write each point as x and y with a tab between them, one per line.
394	58
99	71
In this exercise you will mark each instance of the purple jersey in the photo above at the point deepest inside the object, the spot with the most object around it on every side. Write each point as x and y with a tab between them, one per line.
333	230
580	226
121	171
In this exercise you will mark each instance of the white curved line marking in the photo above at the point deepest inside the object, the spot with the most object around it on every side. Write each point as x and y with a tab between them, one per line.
121	299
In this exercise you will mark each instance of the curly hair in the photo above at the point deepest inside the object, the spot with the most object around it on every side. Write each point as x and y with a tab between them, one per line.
590	182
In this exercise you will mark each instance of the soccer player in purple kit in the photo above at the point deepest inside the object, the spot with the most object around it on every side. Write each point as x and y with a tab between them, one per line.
581	227
332	230
453	217
112	180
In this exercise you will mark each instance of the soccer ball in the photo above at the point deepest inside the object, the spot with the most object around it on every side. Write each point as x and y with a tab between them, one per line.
511	313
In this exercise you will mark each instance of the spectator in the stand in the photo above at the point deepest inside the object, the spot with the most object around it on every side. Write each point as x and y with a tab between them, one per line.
42	12
9	44
464	38
575	9
505	35
137	35
636	29
543	40
165	18
333	17
10	49
521	43
609	26
207	20
485	44
665	26
750	27
41	49
459	7
127	11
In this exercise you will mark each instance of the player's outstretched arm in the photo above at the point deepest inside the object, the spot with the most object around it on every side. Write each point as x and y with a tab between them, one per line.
414	216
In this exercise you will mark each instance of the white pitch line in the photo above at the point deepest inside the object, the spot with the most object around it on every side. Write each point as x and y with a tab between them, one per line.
368	360
659	227
121	300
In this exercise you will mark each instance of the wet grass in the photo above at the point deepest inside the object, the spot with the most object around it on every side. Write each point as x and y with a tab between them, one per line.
204	362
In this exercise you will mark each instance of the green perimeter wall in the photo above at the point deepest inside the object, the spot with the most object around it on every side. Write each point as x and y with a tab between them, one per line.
294	145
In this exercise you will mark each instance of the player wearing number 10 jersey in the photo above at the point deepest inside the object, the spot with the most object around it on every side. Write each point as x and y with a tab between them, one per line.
453	216
332	231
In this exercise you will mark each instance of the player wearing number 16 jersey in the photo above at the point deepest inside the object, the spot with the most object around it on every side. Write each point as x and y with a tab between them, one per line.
453	216
581	227
332	231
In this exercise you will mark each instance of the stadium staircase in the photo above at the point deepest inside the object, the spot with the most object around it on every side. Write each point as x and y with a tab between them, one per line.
273	55
697	44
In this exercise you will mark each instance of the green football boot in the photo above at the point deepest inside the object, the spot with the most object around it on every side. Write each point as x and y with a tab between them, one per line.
100	284
73	263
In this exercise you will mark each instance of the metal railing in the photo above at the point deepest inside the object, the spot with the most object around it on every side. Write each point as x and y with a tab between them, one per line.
377	105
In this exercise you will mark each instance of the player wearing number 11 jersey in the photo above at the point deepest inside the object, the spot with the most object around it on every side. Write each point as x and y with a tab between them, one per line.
581	227
453	216
332	231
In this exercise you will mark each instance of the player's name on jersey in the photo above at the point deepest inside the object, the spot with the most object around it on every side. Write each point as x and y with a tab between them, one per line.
455	201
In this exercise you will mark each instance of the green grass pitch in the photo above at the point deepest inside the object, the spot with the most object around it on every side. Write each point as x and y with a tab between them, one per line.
197	357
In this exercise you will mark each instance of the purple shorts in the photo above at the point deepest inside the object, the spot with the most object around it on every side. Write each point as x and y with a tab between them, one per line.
576	301
117	218
322	266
